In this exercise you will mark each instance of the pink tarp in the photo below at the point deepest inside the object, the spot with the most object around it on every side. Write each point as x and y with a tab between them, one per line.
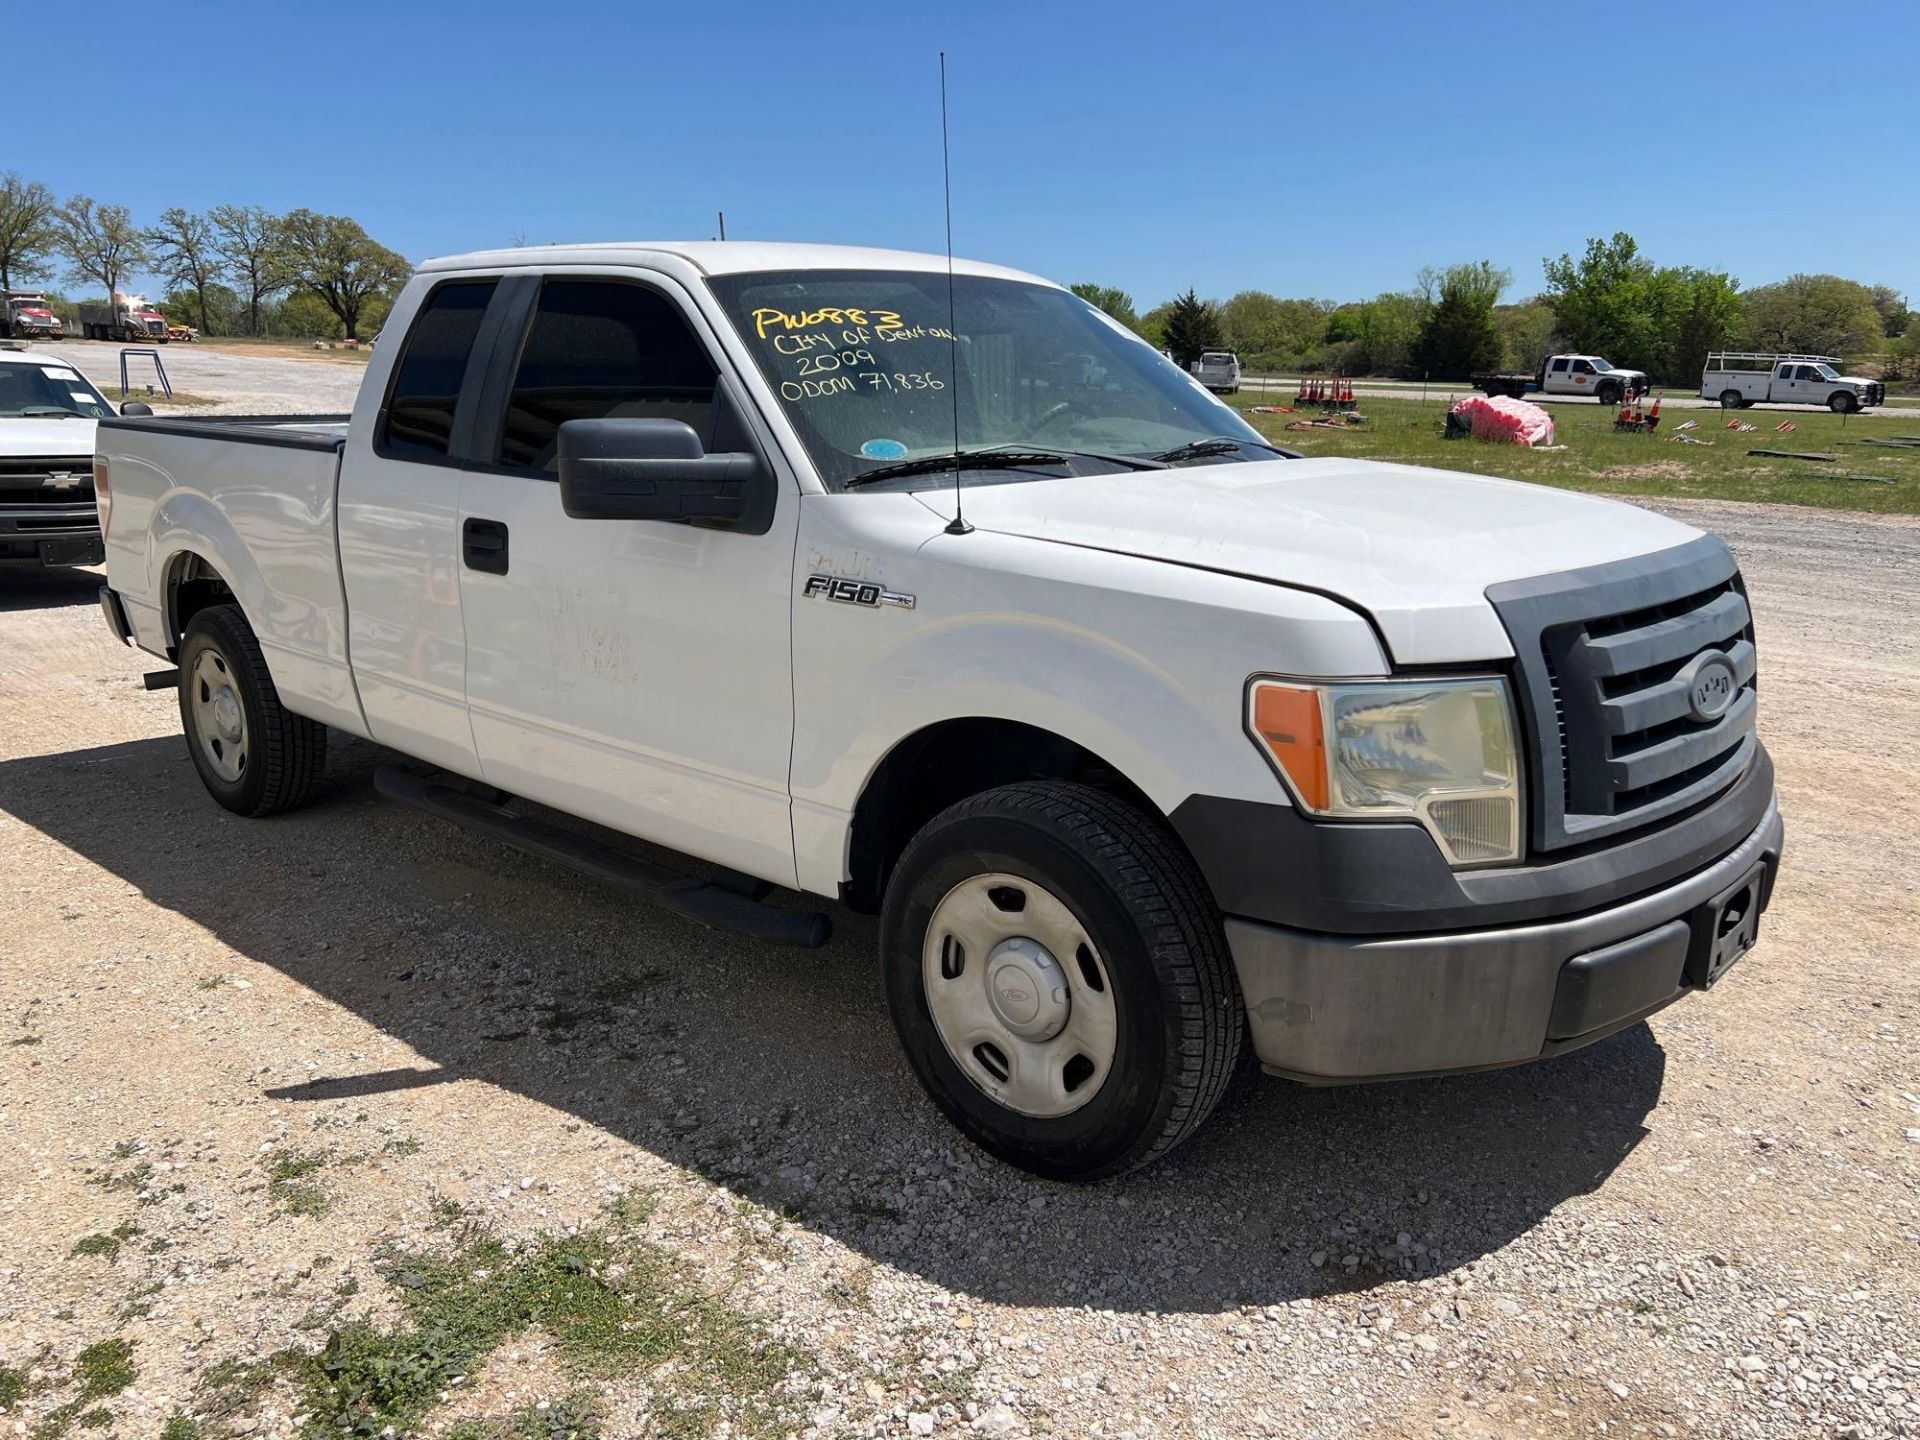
1505	419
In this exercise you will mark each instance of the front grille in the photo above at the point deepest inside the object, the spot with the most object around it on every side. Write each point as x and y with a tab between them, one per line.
1607	661
52	480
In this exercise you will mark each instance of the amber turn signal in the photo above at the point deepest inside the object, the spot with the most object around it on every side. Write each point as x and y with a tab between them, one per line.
1289	723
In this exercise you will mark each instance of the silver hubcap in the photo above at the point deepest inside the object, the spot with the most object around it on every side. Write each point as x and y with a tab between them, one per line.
1019	996
219	719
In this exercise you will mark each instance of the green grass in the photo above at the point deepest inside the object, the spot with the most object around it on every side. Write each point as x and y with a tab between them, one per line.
612	1304
179	1428
288	1186
13	1387
1599	458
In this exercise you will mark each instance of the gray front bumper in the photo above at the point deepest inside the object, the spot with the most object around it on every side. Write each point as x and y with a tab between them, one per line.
1330	1009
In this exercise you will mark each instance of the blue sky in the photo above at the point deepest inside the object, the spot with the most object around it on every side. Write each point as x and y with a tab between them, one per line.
1324	150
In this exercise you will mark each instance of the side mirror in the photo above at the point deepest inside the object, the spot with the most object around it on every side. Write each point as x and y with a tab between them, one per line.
136	407
627	469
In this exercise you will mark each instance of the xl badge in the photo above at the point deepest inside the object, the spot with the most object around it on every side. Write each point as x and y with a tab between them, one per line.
870	593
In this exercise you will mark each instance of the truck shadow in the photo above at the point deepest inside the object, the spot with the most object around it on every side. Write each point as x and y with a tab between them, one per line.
31	588
776	1073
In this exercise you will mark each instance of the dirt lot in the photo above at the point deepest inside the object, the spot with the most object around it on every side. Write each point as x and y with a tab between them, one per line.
517	1143
247	378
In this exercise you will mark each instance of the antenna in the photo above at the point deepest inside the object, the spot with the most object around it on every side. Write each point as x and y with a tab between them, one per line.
958	525
723	224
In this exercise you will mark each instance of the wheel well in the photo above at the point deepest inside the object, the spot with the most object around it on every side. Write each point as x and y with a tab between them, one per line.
944	764
192	585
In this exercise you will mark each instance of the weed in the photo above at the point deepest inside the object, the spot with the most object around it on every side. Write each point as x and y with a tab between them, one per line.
97	1418
13	1387
210	982
612	1304
179	1428
446	1212
104	1368
287	1184
91	1245
25	1040
406	1145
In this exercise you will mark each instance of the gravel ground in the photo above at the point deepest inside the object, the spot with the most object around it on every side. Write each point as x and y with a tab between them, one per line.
248	381
1704	1226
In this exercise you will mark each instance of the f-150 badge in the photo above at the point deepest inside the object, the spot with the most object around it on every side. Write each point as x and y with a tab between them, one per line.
869	593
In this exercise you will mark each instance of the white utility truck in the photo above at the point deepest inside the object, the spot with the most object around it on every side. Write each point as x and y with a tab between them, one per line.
1219	371
1145	739
47	414
1739	379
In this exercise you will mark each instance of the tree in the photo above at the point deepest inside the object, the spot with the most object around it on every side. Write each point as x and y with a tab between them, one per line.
250	243
100	240
26	230
1115	302
1814	315
1460	334
1895	317
1616	303
1268	331
1192	325
1526	334
221	308
1384	331
182	250
334	259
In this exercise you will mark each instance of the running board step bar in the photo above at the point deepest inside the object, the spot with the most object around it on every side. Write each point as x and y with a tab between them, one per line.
721	903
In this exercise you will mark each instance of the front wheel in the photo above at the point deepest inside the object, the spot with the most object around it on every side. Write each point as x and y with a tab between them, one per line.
1608	394
254	756
1060	980
1843	401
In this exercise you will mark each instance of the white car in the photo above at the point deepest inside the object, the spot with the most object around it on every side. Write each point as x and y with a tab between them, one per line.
1146	739
1219	371
48	411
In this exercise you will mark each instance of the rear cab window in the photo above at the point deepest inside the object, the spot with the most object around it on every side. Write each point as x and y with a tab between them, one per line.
418	419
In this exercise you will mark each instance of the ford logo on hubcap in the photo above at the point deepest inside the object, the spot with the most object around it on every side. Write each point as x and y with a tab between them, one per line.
1711	683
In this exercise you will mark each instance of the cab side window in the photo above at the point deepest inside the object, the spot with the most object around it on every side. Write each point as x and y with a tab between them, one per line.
426	384
1583	367
601	349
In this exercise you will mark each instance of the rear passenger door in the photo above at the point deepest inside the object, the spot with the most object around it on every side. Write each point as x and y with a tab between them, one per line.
398	517
1557	382
635	672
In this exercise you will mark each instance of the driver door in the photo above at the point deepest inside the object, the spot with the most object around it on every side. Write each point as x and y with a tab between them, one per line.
634	672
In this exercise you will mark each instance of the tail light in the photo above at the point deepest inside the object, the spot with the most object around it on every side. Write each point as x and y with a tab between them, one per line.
102	491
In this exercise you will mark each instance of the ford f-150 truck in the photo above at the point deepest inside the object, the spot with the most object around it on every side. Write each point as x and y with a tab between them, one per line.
1146	739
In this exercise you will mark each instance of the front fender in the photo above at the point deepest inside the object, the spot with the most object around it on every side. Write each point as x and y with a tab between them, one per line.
1141	662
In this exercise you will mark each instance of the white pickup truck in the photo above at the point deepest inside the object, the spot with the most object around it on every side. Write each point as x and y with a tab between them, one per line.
1146	739
1739	380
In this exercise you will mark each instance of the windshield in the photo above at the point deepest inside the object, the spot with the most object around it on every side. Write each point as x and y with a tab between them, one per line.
49	392
1600	364
1827	372
865	368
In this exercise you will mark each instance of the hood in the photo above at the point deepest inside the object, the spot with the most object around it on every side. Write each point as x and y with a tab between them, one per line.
62	438
1621	370
1415	548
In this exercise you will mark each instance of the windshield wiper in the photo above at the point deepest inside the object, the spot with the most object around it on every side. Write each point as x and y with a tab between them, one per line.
987	459
49	412
1213	445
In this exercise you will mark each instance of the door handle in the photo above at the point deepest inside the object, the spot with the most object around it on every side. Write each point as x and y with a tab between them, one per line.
483	546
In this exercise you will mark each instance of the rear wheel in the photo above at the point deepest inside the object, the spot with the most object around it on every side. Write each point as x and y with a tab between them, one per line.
1060	980
1732	400
1843	401
253	755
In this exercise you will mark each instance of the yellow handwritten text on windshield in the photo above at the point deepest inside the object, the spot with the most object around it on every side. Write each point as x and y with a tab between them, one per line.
767	319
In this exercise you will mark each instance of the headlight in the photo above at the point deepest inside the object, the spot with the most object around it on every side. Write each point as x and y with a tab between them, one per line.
1440	752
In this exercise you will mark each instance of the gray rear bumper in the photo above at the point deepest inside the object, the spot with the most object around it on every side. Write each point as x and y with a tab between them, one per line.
1331	1009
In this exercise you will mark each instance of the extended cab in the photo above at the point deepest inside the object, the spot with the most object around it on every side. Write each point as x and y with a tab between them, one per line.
47	414
1146	739
1740	380
1566	375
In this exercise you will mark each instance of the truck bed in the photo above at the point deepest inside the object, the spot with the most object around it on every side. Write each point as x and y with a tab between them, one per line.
253	497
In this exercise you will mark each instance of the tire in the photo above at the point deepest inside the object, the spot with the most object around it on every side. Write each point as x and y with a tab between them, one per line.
1732	400
1608	394
1150	980
254	756
1843	402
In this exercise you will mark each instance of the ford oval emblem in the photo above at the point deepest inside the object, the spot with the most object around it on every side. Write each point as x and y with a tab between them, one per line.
1712	683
